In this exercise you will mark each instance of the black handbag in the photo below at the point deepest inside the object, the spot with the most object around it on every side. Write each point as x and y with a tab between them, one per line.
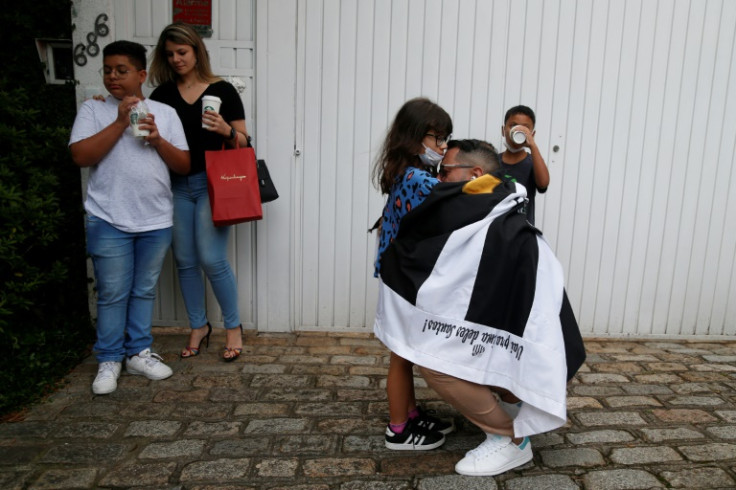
265	184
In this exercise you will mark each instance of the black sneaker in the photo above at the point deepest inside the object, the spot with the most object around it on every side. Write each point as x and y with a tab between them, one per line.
427	420
414	438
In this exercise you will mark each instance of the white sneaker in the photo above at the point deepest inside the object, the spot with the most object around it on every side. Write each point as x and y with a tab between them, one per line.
149	365
495	456
106	380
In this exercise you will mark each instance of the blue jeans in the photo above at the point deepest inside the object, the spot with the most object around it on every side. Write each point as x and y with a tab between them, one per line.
127	266
199	245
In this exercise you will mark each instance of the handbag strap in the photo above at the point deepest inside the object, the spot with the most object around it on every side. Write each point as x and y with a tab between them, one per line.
237	143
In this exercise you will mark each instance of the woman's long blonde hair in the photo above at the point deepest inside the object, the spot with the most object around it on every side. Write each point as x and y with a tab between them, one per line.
179	33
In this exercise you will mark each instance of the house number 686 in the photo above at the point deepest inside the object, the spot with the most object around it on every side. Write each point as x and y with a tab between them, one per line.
92	48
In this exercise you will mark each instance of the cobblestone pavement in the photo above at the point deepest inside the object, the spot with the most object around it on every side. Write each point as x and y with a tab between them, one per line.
308	411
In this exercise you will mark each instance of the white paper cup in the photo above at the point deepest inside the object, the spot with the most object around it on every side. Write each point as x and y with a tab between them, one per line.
210	103
135	126
517	136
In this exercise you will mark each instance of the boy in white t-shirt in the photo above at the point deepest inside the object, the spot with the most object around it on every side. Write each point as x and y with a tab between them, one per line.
129	211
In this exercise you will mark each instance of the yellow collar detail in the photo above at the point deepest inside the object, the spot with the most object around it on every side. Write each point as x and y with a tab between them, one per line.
485	184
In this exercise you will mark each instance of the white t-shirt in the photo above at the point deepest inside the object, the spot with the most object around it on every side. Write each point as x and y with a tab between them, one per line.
130	188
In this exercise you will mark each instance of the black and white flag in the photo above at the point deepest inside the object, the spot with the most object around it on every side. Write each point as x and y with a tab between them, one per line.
471	289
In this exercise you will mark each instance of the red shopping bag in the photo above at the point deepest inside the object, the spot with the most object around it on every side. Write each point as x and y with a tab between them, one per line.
232	183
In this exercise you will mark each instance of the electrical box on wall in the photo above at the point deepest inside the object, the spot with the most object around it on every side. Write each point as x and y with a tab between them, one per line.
56	56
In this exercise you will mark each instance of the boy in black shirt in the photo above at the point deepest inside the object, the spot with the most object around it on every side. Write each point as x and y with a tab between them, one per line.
528	169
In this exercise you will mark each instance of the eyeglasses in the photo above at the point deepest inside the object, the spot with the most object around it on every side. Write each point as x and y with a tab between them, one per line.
440	140
442	168
119	71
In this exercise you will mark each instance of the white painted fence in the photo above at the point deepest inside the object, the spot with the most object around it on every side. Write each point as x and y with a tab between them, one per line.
635	103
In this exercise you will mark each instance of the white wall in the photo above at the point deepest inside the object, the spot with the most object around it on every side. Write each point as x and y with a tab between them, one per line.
638	96
275	88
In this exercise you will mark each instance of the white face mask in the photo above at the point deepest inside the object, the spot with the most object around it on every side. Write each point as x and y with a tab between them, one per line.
430	157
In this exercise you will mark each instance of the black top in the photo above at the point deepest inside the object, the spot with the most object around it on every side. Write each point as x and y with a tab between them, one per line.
523	173
198	138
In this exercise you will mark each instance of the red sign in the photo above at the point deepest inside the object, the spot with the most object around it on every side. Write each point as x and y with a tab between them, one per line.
198	13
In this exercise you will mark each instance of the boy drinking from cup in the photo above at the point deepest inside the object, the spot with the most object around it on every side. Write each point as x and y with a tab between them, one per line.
528	169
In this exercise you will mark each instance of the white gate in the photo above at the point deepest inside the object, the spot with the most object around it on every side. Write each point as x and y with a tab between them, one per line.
636	106
635	103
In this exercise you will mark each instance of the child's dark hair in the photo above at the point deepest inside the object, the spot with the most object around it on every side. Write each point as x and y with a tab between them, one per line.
520	109
403	143
135	52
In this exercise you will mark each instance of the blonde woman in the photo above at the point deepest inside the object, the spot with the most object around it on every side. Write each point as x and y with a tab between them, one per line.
181	72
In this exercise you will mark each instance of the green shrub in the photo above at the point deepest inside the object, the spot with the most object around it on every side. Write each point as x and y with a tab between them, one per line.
44	318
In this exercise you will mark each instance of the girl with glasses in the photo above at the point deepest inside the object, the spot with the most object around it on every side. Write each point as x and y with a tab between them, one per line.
414	146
